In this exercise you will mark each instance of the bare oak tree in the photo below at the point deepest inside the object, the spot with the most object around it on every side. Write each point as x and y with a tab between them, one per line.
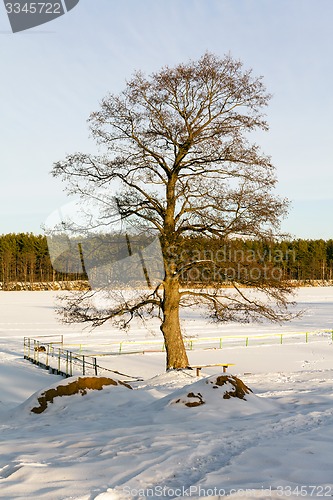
178	146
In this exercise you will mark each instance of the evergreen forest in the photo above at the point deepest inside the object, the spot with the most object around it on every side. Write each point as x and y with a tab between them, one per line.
25	257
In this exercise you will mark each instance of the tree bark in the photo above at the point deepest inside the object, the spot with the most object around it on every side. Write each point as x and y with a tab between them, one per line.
176	357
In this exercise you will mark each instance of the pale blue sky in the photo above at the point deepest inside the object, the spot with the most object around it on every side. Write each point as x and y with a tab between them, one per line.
53	76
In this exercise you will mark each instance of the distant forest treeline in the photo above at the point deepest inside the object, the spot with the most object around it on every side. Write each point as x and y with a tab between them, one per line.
24	257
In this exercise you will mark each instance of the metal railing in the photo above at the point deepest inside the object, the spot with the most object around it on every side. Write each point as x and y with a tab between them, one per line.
57	359
53	356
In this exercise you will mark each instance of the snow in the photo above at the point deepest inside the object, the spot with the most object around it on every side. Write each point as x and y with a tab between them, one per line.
118	443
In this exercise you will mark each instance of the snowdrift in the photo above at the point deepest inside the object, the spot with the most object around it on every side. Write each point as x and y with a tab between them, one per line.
72	386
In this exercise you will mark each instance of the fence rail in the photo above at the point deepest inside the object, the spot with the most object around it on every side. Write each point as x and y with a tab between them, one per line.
51	353
136	346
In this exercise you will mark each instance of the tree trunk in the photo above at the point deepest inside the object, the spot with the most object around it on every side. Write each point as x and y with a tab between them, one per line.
176	357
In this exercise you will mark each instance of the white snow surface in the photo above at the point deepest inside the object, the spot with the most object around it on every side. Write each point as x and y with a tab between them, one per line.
118	443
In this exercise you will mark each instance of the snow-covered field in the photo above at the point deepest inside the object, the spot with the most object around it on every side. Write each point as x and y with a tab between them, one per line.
119	443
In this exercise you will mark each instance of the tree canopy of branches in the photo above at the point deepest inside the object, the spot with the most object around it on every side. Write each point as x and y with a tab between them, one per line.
177	160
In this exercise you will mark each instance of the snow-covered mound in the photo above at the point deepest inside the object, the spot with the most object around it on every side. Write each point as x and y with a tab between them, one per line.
218	392
228	387
73	386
